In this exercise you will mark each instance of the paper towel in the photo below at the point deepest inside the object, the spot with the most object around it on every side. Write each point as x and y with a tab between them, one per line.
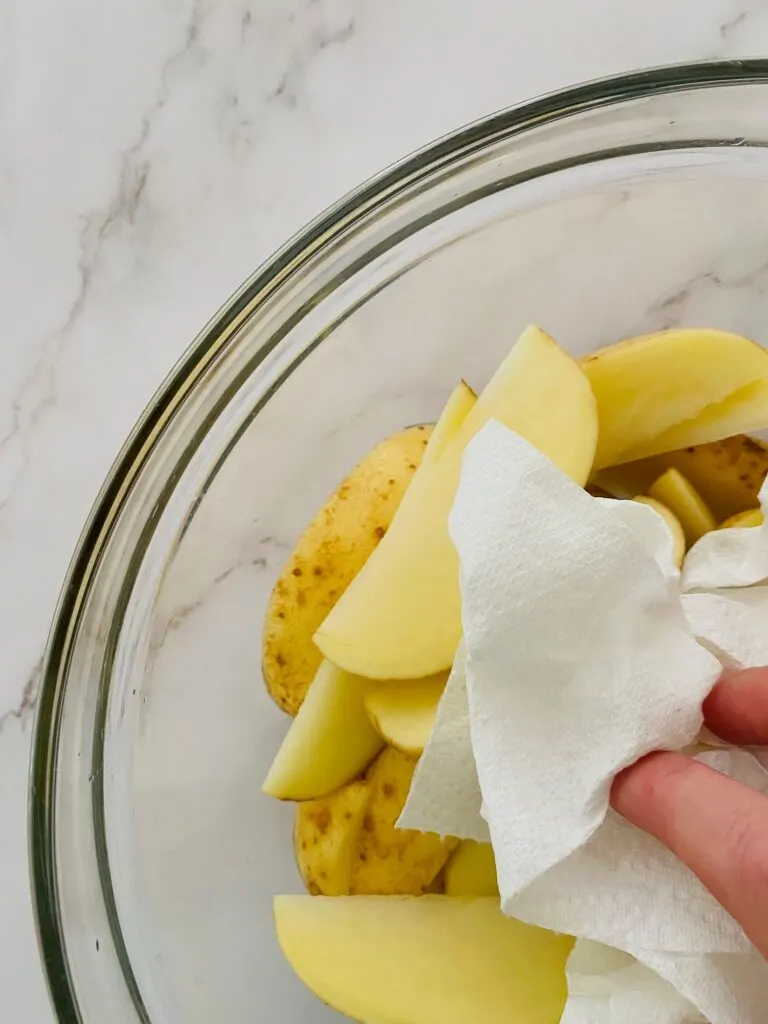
578	659
605	986
731	557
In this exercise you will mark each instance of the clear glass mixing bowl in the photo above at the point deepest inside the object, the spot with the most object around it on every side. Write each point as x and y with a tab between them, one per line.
604	211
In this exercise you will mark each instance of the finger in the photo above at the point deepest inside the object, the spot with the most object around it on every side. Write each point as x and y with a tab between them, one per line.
737	708
715	825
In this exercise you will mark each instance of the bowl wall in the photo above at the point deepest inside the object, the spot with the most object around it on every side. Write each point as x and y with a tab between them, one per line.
610	211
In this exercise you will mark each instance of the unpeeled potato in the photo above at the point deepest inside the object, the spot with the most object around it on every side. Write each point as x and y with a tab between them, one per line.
325	838
728	474
392	860
329	554
347	843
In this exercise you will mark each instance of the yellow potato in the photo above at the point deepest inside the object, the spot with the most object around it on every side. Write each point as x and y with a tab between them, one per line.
325	838
677	388
743	520
471	871
674	524
683	500
403	713
401	617
330	741
728	474
457	408
329	554
390	860
425	960
347	842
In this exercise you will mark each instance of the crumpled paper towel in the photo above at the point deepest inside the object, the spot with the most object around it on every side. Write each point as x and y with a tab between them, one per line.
725	595
577	660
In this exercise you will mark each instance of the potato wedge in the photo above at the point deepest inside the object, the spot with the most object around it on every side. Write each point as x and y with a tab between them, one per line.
403	712
471	871
728	474
743	520
676	388
674	524
330	741
683	500
426	960
401	617
389	860
326	834
327	557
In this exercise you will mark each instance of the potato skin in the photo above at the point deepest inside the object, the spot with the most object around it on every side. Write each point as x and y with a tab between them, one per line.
390	861
728	474
347	843
329	554
325	838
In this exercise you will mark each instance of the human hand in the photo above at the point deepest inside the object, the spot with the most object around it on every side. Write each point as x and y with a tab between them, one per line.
715	825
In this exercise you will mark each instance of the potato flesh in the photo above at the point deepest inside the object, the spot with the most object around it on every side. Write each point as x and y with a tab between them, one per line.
684	501
401	617
330	741
403	712
424	960
674	524
471	871
676	388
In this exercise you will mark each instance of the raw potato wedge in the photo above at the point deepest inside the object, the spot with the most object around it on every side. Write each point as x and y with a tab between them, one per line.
347	842
403	713
325	838
337	543
674	524
677	388
471	871
391	860
424	960
400	618
456	410
328	555
743	520
684	501
728	474
330	741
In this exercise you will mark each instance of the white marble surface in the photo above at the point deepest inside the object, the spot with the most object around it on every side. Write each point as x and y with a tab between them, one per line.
151	155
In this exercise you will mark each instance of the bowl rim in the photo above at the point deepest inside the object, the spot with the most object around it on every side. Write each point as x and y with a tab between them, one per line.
214	338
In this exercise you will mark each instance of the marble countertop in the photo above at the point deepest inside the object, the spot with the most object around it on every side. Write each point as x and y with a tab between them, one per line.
151	155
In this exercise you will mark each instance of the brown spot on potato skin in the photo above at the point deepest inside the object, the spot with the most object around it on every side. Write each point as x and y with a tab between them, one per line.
388	790
379	532
323	820
297	571
280	660
368	823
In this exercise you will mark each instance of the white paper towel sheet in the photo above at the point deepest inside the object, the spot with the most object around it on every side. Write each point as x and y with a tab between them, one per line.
578	658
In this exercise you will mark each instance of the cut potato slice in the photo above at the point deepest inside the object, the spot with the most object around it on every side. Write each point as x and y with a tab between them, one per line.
390	860
456	410
326	834
328	555
742	520
728	474
471	871
424	960
403	713
674	389
674	524
330	741
401	617
682	499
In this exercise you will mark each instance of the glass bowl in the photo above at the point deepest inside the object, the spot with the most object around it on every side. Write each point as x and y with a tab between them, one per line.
604	211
